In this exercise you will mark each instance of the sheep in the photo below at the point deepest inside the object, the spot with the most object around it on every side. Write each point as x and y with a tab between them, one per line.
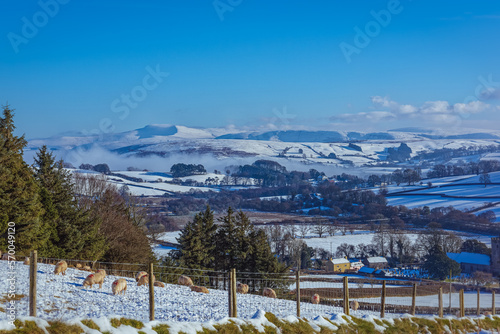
27	261
119	286
268	292
354	305
144	280
487	313
315	299
241	288
87	268
198	289
160	284
139	275
94	279
101	272
78	266
184	280
7	257
61	267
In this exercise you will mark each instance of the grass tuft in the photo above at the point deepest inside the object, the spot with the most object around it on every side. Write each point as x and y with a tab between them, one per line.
162	329
59	327
90	324
127	322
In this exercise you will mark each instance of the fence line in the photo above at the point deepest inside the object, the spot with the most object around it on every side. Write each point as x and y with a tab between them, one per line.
351	295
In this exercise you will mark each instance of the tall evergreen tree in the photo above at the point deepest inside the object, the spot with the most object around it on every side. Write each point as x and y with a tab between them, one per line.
19	199
68	227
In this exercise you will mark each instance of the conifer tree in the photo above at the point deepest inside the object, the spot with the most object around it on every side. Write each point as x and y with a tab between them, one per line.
197	241
67	226
19	200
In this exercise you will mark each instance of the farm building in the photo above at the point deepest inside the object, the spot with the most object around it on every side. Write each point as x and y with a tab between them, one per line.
376	262
338	265
471	262
356	264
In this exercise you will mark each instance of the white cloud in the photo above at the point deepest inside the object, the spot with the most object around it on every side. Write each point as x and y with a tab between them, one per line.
435	112
473	107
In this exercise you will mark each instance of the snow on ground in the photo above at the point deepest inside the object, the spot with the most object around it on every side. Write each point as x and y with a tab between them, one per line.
470	300
63	297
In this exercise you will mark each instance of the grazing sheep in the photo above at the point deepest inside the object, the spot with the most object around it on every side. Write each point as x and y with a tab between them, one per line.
241	288
160	284
87	268
315	299
198	289
184	280
354	305
268	292
94	279
119	286
139	275
27	261
144	280
78	266
101	272
61	267
6	257
487	313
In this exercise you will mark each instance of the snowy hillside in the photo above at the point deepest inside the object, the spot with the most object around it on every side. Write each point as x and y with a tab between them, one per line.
462	192
219	148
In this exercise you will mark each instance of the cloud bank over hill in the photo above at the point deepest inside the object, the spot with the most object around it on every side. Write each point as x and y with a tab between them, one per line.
430	113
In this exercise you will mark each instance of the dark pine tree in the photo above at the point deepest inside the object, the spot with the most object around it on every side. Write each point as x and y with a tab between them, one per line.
19	199
68	227
439	265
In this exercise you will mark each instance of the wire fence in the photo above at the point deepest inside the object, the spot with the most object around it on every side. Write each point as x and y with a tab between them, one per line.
184	294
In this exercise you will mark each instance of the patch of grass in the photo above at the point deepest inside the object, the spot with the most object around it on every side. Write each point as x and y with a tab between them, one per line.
270	330
162	329
58	327
127	322
228	328
404	325
363	326
27	327
90	324
115	322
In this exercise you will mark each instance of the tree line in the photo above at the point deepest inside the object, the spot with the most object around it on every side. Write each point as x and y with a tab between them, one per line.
60	216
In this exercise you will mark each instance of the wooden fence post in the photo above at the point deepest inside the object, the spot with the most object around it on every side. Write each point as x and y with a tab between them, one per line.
493	302
478	312
151	294
382	301
462	304
346	295
233	293
440	302
32	291
414	299
230	293
297	287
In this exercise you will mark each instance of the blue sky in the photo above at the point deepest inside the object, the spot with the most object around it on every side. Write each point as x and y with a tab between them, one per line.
111	66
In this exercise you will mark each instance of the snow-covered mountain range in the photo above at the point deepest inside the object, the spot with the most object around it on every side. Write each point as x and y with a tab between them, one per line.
223	147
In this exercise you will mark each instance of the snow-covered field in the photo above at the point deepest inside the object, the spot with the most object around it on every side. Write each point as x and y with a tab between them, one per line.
450	186
63	297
